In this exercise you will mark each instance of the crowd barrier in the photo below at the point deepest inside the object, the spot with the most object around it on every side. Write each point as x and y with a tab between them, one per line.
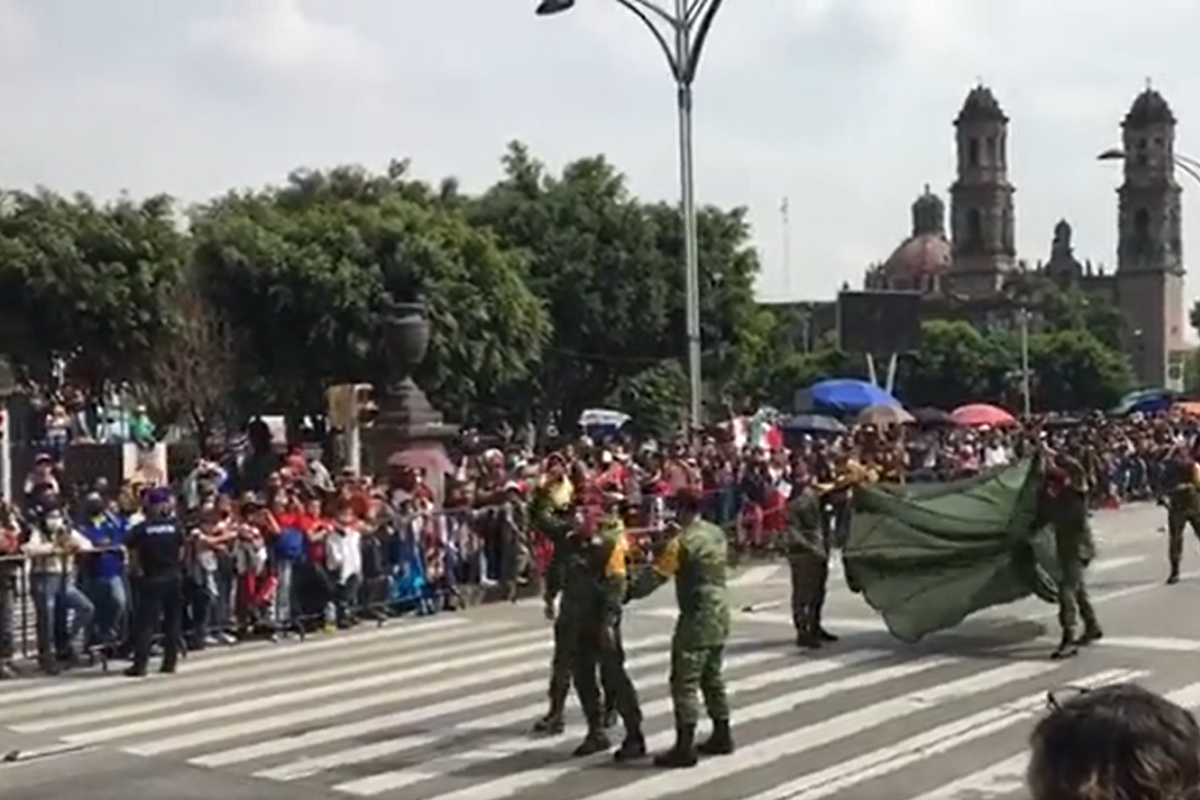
424	564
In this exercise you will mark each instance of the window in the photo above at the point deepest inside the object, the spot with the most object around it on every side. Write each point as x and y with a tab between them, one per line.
974	227
1142	238
973	153
990	149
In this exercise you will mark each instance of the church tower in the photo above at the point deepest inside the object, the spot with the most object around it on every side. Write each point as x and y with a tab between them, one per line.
981	199
1149	245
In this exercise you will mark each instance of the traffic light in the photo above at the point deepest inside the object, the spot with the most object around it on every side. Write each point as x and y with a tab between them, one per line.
351	405
365	407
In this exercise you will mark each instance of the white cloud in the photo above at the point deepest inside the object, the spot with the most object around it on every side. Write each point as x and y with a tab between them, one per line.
282	37
18	33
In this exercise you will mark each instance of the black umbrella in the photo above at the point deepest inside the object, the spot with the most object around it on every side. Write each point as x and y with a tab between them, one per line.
812	423
932	416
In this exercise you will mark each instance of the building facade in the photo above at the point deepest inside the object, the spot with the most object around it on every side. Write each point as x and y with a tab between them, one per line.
970	267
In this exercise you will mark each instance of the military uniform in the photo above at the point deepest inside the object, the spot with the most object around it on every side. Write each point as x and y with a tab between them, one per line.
1181	496
1067	488
549	515
697	558
594	588
807	552
514	533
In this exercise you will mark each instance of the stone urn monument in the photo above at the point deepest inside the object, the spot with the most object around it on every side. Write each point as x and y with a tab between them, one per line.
409	431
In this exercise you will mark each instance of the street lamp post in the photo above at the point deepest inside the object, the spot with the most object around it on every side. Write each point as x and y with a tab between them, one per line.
686	29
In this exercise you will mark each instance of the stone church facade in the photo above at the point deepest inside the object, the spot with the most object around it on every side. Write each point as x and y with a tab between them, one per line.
970	266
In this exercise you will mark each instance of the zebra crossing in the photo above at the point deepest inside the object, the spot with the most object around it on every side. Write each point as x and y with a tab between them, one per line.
440	710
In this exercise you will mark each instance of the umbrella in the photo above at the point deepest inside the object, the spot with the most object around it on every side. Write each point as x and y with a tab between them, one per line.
977	414
882	416
812	423
603	418
845	395
1144	401
932	417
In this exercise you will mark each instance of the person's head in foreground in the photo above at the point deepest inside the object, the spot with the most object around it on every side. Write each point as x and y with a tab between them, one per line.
1118	742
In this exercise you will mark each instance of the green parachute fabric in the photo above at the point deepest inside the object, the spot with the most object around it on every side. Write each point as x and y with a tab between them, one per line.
926	556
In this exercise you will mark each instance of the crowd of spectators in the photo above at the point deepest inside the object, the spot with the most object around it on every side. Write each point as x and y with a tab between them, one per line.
279	545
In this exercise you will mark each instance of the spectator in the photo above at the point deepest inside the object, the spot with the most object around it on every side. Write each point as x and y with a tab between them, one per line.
103	572
64	613
1118	742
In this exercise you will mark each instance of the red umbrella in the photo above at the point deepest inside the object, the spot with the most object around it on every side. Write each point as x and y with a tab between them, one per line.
977	414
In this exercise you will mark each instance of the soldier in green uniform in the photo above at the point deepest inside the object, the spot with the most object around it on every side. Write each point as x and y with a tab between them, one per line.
1066	498
1181	496
554	520
807	553
514	532
696	556
595	585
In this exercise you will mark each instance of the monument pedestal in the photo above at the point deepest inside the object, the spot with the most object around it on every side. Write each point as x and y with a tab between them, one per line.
409	431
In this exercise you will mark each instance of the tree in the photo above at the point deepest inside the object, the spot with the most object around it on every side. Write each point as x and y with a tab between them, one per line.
956	364
1076	372
193	372
609	269
81	281
305	271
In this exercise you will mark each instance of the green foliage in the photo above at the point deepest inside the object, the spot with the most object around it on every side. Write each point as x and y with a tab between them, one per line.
549	292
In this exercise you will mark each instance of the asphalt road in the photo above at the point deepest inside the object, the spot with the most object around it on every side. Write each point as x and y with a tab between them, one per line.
439	709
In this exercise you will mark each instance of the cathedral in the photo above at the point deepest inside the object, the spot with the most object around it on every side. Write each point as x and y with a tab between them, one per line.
969	266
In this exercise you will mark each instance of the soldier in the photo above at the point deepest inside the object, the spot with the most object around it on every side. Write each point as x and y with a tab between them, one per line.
575	605
514	532
696	556
1067	491
807	554
1181	496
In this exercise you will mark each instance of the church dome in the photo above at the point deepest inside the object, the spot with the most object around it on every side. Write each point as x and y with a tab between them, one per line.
928	214
1149	108
981	106
925	254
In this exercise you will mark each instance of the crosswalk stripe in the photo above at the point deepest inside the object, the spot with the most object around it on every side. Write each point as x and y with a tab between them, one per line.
934	742
1008	776
764	751
308	767
515	745
336	679
482	656
258	659
527	779
315	713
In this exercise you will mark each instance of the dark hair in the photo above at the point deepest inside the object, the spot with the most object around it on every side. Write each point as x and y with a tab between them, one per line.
1119	742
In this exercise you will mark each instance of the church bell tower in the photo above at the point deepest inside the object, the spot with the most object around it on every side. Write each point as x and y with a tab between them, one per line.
1149	245
981	199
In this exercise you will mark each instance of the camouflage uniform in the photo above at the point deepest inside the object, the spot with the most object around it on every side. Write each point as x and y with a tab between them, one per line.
1075	549
555	524
1182	498
595	585
808	559
514	533
697	558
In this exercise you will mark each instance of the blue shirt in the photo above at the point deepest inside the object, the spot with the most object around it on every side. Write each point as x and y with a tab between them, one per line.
106	530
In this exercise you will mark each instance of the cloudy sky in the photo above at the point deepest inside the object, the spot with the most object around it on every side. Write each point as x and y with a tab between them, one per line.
843	106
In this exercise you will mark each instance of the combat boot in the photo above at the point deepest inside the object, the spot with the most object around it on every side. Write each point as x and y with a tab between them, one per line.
550	725
826	636
1067	648
808	641
632	747
721	741
683	754
596	741
1091	634
1173	578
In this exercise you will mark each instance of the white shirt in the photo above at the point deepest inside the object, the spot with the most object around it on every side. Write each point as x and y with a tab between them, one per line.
343	553
51	553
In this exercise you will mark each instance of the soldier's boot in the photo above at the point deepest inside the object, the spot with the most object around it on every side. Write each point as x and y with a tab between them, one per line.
721	741
808	640
1091	634
1173	574
596	741
826	636
550	725
1067	648
633	747
683	754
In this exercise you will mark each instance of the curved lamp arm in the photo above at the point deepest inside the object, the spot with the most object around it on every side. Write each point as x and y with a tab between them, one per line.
684	57
642	10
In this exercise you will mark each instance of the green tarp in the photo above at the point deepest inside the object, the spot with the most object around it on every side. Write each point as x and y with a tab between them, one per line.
928	555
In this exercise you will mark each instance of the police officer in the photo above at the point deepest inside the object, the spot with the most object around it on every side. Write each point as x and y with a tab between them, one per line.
156	564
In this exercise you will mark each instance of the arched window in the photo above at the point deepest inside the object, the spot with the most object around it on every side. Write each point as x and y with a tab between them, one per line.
990	150
1142	238
973	153
974	227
